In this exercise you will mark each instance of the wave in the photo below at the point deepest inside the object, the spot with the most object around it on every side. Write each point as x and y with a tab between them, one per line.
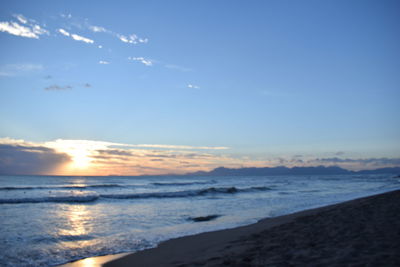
59	199
9	188
182	183
62	238
93	197
186	193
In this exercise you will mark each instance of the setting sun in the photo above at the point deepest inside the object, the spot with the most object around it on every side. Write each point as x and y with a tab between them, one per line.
79	151
80	158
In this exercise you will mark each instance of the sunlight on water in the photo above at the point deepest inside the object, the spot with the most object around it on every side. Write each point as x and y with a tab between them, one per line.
78	221
89	262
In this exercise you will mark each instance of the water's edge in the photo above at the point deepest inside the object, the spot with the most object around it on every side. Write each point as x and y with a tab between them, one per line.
98	261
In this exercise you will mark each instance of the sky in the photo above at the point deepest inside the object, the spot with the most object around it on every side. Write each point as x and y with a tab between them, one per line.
159	87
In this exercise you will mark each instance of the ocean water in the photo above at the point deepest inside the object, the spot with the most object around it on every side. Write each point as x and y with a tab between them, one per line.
46	220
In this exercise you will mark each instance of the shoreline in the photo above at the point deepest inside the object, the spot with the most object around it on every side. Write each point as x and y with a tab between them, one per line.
251	245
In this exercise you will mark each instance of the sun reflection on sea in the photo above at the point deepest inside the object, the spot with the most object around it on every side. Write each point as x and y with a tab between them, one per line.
77	225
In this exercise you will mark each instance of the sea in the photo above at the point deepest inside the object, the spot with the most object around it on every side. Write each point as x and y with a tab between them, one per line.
51	220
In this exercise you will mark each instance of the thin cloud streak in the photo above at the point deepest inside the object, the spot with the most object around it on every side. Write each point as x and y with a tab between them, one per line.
21	18
19	69
178	147
131	38
97	29
63	32
193	86
75	36
81	38
177	67
142	60
56	87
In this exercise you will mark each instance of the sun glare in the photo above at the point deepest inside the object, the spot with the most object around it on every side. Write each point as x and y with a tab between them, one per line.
80	152
80	158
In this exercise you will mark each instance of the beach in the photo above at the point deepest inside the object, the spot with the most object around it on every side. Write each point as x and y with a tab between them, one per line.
361	232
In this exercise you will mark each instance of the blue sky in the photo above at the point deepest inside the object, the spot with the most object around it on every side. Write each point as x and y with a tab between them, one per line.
271	82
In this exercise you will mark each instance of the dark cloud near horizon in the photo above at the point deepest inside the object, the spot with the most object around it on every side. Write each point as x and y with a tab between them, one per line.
115	152
172	156
368	161
26	160
348	163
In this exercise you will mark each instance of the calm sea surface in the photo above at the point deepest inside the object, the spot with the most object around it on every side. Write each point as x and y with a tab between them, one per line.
49	220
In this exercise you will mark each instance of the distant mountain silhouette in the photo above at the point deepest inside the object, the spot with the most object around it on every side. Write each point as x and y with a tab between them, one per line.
282	170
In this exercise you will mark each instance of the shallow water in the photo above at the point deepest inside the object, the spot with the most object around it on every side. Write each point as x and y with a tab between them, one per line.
53	220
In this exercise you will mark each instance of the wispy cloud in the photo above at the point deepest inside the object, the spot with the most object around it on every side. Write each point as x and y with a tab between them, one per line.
29	29
19	69
130	38
177	67
104	62
26	67
98	29
75	36
176	146
66	16
81	38
56	87
142	60
15	29
21	18
193	86
63	32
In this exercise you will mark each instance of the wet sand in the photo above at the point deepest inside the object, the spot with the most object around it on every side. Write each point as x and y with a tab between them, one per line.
361	232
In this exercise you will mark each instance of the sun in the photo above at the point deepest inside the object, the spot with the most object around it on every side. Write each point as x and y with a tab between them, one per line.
80	158
79	151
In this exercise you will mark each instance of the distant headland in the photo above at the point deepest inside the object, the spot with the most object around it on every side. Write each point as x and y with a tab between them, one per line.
282	170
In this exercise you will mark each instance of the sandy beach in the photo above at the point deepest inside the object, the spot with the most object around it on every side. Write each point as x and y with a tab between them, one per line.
361	232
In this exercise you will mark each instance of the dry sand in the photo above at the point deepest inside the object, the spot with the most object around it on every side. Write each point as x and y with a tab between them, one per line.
361	232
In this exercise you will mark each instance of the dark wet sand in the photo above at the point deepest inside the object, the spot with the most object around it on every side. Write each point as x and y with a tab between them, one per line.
361	232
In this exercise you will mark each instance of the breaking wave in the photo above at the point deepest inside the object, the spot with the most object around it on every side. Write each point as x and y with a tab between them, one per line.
60	187
186	193
94	196
58	199
182	183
